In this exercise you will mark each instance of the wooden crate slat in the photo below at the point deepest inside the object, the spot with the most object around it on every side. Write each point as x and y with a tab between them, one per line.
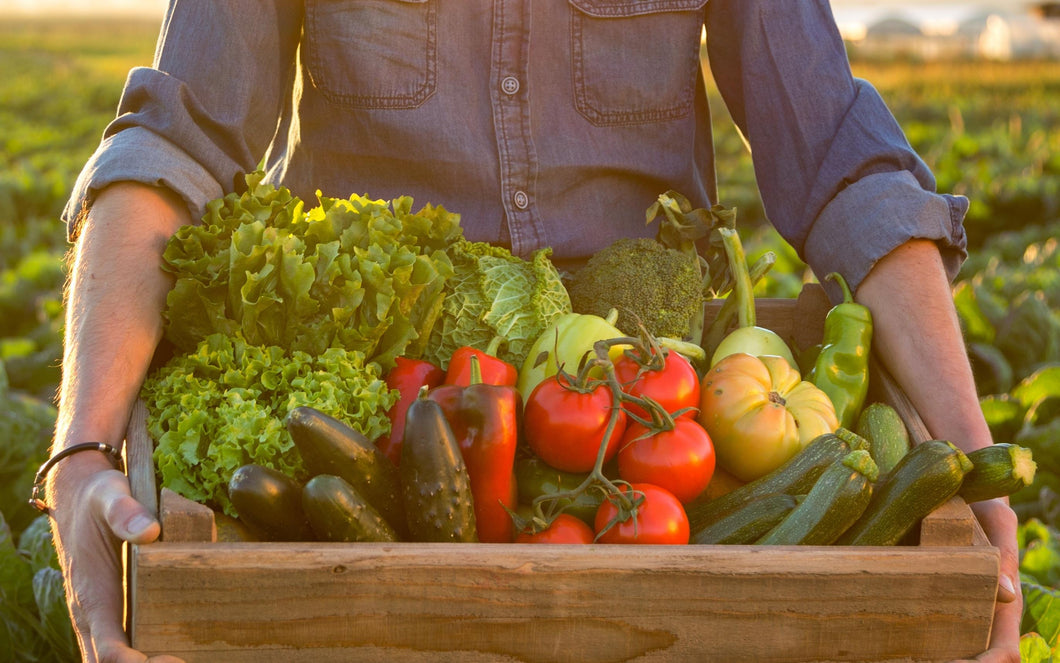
592	603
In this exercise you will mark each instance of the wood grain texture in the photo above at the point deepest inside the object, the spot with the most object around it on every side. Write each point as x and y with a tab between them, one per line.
184	520
427	602
139	460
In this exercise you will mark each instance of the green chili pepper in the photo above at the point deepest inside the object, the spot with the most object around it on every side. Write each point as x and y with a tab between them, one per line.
842	366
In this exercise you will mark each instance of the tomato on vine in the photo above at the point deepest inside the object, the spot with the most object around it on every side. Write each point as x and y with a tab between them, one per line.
660	517
668	378
565	424
564	529
678	458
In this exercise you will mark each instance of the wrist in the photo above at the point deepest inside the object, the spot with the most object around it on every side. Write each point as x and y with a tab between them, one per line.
68	466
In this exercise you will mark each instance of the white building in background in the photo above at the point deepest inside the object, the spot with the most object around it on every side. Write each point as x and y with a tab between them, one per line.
935	31
1010	36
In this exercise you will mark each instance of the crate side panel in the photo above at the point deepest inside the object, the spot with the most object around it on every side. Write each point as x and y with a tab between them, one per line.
595	604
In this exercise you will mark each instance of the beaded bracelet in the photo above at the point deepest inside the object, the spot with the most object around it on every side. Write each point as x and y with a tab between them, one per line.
35	498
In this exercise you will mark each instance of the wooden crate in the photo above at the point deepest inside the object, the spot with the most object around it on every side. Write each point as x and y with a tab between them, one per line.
204	600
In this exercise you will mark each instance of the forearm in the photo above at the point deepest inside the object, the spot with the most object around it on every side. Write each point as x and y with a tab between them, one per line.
918	335
114	303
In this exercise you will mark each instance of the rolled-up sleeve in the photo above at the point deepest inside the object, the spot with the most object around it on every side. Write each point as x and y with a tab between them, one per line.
837	175
205	111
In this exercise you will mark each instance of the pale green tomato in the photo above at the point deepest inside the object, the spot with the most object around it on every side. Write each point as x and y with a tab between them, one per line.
755	341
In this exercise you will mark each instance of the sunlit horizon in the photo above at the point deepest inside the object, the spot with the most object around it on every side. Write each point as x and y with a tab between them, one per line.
85	7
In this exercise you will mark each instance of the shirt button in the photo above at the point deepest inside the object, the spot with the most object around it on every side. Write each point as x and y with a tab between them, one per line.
510	85
522	201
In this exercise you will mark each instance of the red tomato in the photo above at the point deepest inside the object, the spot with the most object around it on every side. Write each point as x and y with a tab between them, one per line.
680	460
660	519
675	386
565	428
564	529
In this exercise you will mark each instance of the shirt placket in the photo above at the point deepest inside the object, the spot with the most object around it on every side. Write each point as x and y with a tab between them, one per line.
511	118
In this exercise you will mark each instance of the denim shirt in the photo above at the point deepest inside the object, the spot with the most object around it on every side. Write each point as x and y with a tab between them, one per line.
543	123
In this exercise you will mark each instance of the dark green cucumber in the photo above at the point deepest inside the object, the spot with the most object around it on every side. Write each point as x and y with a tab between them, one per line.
795	477
329	446
835	502
435	486
337	512
886	433
748	523
269	503
999	470
927	476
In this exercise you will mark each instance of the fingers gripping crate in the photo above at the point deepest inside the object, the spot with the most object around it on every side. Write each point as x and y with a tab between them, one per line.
205	600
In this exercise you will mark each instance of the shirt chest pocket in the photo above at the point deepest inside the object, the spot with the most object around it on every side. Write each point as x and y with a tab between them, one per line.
635	61
372	53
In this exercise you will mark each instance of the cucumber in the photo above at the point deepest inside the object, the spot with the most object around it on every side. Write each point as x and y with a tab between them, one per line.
337	512
927	476
997	471
795	477
435	487
269	503
748	523
329	446
886	433
835	502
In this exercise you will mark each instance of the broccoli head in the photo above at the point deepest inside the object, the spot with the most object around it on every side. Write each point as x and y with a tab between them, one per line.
643	280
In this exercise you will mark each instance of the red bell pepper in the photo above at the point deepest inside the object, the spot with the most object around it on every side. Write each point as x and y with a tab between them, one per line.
492	369
485	420
407	376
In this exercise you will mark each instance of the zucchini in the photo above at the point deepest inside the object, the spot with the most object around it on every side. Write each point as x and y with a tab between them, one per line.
886	433
748	523
435	486
835	502
927	476
794	477
269	503
997	471
329	446
337	512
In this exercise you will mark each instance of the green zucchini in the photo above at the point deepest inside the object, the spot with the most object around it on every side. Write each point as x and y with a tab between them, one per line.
435	486
337	512
888	438
269	503
794	477
997	471
748	523
329	446
835	502
927	476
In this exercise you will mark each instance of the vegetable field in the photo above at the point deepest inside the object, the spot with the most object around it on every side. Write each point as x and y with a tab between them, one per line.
990	131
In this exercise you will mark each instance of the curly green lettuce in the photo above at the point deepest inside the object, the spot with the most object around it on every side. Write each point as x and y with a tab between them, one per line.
359	274
224	404
496	300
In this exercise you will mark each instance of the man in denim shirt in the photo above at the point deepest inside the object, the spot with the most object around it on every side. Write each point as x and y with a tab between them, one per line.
549	123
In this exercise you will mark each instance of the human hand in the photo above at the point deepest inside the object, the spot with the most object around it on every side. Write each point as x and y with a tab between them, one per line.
92	513
999	523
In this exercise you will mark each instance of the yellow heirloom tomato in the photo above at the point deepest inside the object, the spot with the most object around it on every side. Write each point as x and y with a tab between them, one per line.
760	412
